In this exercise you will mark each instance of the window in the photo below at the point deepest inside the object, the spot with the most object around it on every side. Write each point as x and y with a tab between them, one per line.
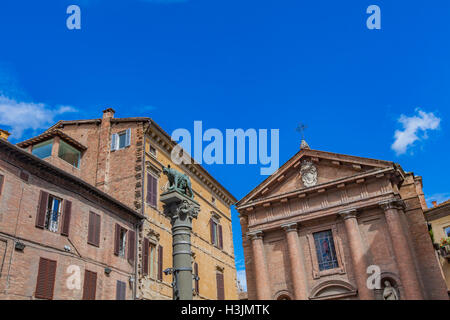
90	285
121	290
43	150
326	253
220	286
149	258
196	279
69	154
160	263
152	190
53	213
447	231
120	241
216	233
121	140
153	151
45	279
213	200
94	229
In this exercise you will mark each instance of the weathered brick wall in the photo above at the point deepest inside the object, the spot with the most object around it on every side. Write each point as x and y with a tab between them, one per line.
18	210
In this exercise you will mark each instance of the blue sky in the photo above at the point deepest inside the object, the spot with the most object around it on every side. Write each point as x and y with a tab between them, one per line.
241	64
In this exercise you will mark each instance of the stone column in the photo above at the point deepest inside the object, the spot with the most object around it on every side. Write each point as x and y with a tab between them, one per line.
181	211
297	262
261	273
358	253
403	255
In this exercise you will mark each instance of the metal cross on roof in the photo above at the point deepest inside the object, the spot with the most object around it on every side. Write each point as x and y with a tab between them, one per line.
301	129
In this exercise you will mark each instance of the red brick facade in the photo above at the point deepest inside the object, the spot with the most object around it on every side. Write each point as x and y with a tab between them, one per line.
316	227
64	253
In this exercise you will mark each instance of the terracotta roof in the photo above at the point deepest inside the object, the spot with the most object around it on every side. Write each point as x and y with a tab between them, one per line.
47	167
443	204
49	134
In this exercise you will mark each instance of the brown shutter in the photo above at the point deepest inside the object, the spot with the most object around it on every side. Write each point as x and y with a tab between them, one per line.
90	285
154	190
46	279
160	263
212	225
66	220
120	290
117	240
91	228
97	229
220	286
131	245
197	287
2	178
149	188
42	209
145	249
220	237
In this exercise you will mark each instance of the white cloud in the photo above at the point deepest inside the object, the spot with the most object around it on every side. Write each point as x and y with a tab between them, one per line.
20	116
240	274
421	122
438	197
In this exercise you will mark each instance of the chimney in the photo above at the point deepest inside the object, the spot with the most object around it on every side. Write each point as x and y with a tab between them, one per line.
434	204
108	113
4	135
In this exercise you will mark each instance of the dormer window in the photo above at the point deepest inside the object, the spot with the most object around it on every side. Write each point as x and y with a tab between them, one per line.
43	150
69	154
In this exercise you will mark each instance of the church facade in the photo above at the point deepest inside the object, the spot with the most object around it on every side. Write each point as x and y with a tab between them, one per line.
333	226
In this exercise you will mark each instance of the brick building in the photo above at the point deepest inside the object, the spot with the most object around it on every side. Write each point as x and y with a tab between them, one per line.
60	237
313	228
124	158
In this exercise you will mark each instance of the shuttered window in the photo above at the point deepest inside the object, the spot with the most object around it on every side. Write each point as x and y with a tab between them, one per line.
220	286
216	233
120	140
213	229
45	282
94	229
2	179
196	283
66	218
152	184
120	241
160	263
90	285
121	290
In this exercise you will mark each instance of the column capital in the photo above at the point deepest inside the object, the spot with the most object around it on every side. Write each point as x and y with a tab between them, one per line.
292	226
348	214
255	235
392	204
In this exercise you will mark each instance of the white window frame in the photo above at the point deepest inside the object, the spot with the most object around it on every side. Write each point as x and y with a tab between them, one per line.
115	139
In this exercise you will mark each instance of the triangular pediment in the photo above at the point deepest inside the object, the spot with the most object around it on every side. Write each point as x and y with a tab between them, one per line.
310	169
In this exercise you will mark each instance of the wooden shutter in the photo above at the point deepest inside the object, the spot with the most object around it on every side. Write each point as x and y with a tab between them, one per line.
66	220
154	191
46	279
131	245
117	240
220	286
197	287
128	138
90	285
160	263
91	227
212	225
149	188
145	252
120	290
42	209
220	237
2	178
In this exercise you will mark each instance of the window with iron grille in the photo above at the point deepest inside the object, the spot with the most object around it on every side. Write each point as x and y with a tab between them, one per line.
326	253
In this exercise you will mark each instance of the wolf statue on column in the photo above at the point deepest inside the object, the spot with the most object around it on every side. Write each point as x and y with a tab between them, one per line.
178	181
